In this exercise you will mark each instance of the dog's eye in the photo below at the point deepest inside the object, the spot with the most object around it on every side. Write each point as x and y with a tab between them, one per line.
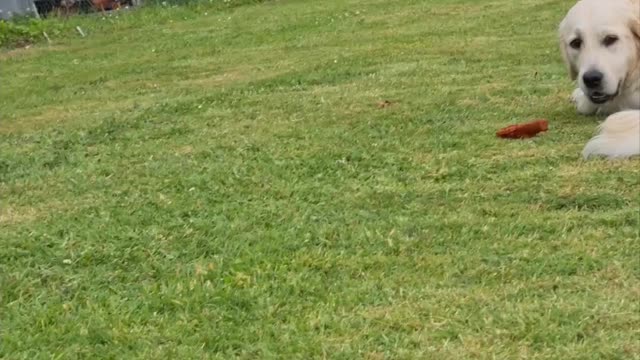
576	43
609	40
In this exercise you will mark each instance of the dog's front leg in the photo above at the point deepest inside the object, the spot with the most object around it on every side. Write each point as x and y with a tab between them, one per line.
583	104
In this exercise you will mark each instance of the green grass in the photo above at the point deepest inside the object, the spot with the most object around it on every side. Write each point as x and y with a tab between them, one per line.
24	31
187	184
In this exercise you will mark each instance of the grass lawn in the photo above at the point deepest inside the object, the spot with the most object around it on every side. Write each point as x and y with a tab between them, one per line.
189	183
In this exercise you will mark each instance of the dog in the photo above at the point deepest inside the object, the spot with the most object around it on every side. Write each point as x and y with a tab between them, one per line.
600	45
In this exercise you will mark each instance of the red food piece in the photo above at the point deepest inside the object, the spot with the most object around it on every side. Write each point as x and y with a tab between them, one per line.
523	131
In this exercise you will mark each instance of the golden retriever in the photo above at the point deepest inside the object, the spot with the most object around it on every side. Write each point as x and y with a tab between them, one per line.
600	44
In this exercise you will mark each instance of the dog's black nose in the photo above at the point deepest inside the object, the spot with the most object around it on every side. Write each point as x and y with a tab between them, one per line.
592	79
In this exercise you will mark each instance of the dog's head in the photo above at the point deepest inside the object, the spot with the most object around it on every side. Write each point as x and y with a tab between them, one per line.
600	43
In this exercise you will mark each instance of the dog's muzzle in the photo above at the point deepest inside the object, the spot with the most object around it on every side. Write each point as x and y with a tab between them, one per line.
599	97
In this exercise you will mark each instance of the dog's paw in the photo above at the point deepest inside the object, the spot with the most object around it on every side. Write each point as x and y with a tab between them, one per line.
582	103
577	93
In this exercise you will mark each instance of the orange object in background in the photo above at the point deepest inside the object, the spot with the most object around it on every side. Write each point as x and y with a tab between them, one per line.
523	131
103	5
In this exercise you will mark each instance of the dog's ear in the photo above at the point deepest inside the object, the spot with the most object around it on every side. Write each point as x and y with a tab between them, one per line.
635	19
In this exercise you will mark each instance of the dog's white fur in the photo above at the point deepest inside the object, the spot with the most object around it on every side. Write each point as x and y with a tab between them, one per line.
591	21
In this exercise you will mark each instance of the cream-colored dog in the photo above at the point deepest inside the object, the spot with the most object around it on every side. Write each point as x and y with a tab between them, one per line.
600	43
